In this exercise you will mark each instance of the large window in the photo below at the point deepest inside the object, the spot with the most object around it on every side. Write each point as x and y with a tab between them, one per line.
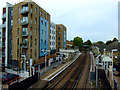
42	22
35	20
18	9
35	53
45	42
35	31
35	41
35	10
58	27
58	33
58	38
18	20
58	43
17	41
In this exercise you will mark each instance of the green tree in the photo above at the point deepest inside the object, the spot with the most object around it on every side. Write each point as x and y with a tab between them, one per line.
78	42
100	42
88	42
108	42
115	39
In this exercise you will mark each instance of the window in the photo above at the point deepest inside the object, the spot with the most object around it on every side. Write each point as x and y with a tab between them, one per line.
35	53
45	42
41	31
42	22
11	22
35	41
58	43
17	52
41	41
45	16
18	9
58	33
31	21
58	27
40	12
11	12
35	20
35	31
45	33
35	10
58	38
17	41
18	20
45	23
50	30
18	31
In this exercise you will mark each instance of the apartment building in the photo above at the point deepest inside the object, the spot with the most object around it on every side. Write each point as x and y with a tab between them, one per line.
61	33
6	41
52	38
30	33
0	45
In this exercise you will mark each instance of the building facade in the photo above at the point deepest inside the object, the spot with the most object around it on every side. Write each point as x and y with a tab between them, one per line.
0	45
52	38
61	33
7	22
30	32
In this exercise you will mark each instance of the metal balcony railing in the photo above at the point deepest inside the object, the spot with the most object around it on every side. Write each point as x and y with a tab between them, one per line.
24	22
4	25
24	10
24	33
4	16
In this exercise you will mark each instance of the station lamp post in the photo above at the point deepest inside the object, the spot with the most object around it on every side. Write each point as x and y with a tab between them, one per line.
45	58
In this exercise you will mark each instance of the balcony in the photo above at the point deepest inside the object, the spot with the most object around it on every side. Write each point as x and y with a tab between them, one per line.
3	35
24	33
3	44
24	10
4	25
24	21
25	44
4	16
3	54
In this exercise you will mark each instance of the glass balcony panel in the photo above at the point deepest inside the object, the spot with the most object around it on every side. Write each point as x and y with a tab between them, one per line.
24	10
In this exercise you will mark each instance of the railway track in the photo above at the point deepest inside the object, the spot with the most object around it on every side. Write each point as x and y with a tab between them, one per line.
71	76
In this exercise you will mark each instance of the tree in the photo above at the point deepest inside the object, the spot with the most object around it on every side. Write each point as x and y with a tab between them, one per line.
88	42
115	39
78	42
100	42
108	42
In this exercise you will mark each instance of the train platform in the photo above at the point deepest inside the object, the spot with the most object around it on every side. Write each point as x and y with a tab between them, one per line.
46	77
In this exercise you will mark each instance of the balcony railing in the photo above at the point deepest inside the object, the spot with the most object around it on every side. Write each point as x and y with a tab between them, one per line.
4	25
24	33
24	22
24	10
3	35
3	54
4	16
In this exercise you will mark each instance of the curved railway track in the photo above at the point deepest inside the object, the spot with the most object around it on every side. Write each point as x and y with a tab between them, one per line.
71	76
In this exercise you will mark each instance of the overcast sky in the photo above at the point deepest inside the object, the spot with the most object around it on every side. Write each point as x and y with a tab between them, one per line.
89	19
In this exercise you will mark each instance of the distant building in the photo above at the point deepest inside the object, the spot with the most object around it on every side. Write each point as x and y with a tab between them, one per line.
61	36
30	32
0	44
69	44
7	23
52	38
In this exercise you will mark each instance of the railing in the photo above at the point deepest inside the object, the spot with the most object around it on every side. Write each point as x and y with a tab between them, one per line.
24	10
24	22
24	33
4	16
4	25
3	35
